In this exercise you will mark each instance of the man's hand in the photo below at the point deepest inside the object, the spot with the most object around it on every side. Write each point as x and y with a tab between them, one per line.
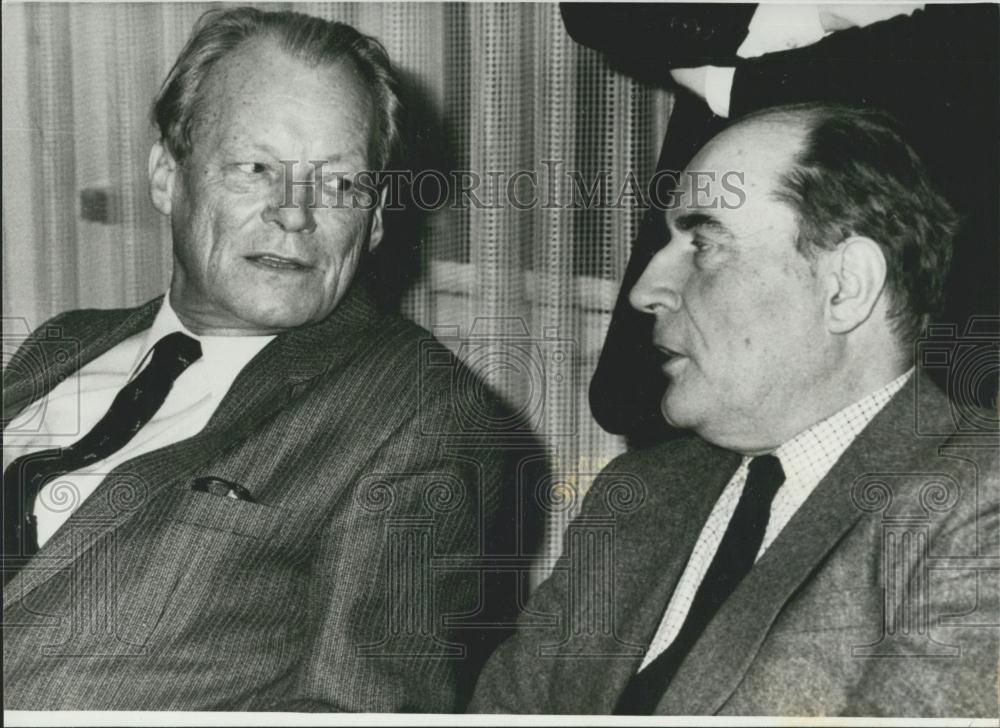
693	79
714	84
840	16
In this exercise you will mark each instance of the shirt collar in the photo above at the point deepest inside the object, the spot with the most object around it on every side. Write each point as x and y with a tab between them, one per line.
810	455
222	357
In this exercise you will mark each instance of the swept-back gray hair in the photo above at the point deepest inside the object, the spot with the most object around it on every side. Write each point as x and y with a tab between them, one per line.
312	40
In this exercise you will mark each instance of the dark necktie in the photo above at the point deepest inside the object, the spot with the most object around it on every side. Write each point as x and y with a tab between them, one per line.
734	558
131	409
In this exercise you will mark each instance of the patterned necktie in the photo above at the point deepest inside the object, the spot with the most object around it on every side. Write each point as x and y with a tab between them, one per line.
733	560
131	409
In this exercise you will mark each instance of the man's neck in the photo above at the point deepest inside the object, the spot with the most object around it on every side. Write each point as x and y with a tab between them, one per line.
835	396
208	325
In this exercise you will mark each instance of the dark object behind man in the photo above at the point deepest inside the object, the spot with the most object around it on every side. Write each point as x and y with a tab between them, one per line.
936	69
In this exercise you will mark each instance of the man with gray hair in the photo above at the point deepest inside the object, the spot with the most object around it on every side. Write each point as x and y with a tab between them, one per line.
260	474
827	543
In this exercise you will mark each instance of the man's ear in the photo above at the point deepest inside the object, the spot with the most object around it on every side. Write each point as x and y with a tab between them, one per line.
855	274
162	172
377	228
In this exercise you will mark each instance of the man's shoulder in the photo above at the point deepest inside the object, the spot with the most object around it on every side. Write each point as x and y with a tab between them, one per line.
683	454
62	341
74	329
402	363
665	475
933	424
400	344
434	354
397	330
82	320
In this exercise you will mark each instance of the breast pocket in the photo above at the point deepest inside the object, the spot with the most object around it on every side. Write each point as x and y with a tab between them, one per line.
231	515
199	557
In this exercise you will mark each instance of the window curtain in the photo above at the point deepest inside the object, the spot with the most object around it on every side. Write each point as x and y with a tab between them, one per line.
523	295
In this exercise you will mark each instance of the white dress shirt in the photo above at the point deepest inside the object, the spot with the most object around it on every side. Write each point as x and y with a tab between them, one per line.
806	459
75	405
780	27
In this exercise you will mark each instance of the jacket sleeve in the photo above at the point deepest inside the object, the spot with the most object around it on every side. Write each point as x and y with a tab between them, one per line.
33	357
646	40
544	665
394	622
941	650
900	64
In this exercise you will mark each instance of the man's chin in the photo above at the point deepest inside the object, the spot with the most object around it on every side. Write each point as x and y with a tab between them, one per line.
275	320
279	311
277	323
668	412
674	411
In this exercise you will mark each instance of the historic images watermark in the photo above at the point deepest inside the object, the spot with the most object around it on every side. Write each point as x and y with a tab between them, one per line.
966	364
926	613
33	365
503	347
550	187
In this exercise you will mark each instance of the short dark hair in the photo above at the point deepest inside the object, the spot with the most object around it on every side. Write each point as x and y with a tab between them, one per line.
312	40
856	175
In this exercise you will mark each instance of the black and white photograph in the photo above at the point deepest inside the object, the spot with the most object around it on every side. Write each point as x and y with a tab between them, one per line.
481	363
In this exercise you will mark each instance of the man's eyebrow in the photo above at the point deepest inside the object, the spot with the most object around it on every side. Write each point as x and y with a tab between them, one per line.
264	147
333	158
342	161
703	221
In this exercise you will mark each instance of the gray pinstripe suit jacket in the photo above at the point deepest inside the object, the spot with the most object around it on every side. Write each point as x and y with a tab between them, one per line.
880	596
311	597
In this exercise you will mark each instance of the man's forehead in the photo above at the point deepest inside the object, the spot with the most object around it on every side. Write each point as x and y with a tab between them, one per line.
750	156
728	188
762	146
260	61
257	85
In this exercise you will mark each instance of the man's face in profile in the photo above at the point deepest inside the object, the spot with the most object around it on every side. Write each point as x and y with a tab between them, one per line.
739	312
251	252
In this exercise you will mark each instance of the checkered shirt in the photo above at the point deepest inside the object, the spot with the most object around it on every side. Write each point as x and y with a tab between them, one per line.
806	459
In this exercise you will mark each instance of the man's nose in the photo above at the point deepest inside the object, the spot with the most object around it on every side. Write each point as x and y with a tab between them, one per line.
658	288
295	211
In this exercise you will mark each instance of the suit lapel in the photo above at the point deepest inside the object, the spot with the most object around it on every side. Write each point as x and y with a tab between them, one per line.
99	333
260	390
719	660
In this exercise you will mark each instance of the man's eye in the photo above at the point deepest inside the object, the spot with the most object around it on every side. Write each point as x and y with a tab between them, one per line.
335	182
252	167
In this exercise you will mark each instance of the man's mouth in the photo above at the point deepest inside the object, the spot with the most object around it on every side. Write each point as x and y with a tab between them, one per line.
668	357
277	262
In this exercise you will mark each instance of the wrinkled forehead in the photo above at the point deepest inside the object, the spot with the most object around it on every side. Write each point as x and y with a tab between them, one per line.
259	79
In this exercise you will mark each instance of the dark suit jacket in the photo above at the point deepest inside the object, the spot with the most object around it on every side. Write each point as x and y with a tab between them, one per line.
937	71
324	593
878	598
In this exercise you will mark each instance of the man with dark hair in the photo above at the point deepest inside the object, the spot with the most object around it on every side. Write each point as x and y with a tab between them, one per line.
855	174
933	66
259	471
827	543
